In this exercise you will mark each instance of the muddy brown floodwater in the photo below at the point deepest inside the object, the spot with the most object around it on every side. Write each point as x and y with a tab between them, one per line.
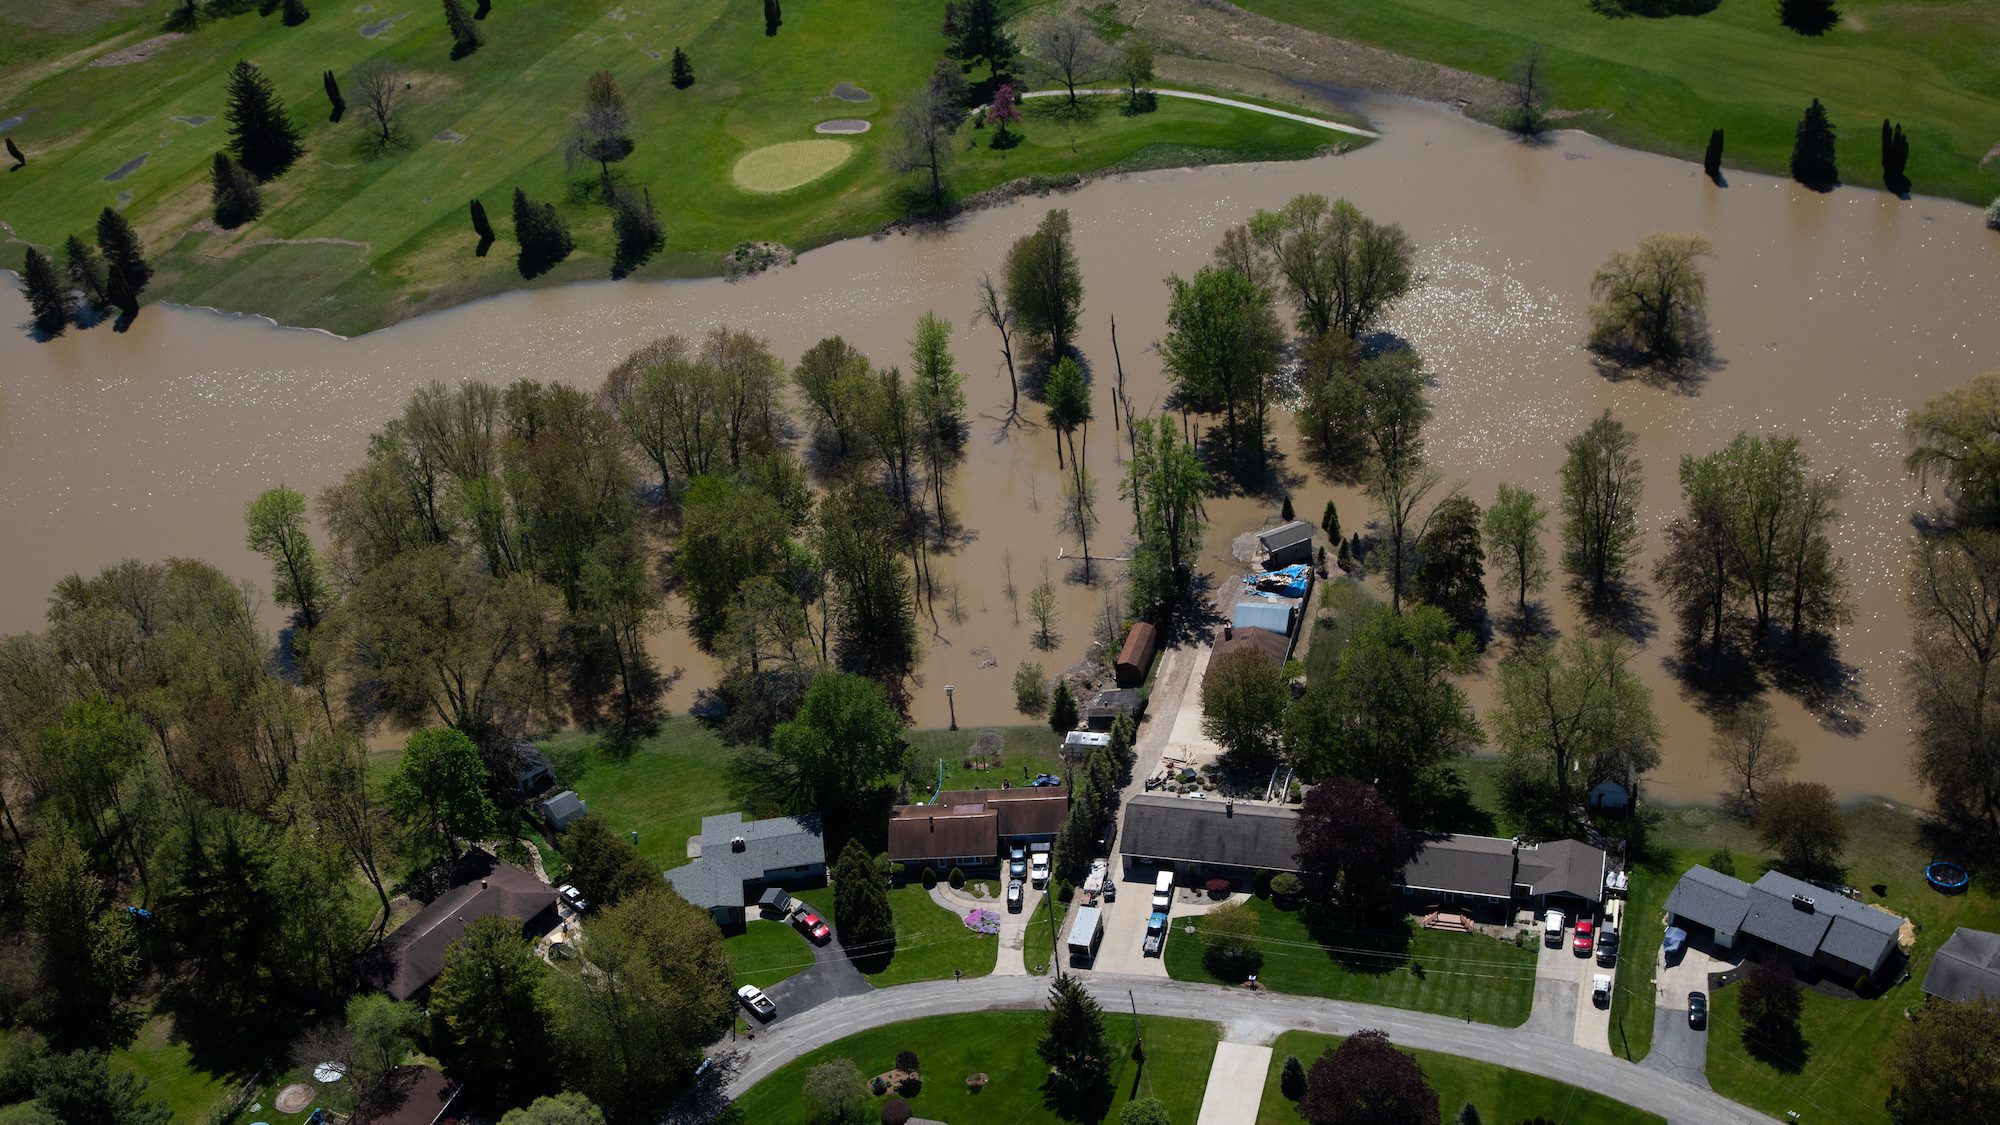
1833	316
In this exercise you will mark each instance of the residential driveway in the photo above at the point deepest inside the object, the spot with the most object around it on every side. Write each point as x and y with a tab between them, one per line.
1554	1013
1678	1049
1013	933
1235	1084
832	977
1124	948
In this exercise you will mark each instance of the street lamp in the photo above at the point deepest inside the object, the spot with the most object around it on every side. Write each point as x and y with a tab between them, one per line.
951	703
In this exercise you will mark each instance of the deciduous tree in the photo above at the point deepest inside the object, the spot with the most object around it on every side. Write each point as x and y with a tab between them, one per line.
1166	483
566	1108
1771	1007
1451	566
261	135
1938	1066
439	789
1045	283
277	530
381	1033
1528	98
1243	698
1652	304
924	127
1514	525
1748	746
490	1009
85	959
1350	843
1955	443
599	130
1954	670
1341	269
835	1090
1568	716
1366	1081
1135	69
1070	50
1600	506
1802	823
382	88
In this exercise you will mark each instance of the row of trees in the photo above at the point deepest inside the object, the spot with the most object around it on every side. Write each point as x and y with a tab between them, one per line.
110	274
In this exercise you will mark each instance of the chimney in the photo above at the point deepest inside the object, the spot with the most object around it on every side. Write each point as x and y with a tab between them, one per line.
934	824
1803	902
737	844
482	884
1229	631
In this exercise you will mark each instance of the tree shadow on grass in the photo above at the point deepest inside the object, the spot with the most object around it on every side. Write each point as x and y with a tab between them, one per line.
1366	942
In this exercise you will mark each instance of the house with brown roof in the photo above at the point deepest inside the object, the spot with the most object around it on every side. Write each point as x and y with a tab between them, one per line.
1274	647
412	1095
971	828
482	887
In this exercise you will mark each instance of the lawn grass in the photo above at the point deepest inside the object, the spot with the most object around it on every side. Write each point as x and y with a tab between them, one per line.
1038	939
1634	995
1662	84
766	952
168	1069
1025	751
335	1096
1501	1094
1467	976
1000	1045
392	234
663	788
931	942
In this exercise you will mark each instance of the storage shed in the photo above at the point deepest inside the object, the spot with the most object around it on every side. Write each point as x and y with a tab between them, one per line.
1286	544
1135	660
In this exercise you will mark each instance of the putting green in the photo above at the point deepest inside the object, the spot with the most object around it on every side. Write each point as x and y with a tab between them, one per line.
786	166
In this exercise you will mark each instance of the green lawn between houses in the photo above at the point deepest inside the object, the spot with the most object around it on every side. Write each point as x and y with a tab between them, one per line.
1467	976
931	941
766	952
1662	84
1501	1095
391	235
1000	1045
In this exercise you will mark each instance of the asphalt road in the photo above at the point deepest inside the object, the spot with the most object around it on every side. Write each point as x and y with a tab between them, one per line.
1248	1017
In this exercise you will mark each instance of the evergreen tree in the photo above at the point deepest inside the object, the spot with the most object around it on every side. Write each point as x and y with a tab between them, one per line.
773	17
233	193
1808	17
86	269
636	224
47	296
1285	511
296	13
1329	522
333	96
126	271
978	34
1062	708
542	233
861	902
14	151
263	139
1073	1043
1812	150
465	34
1292	1081
1711	161
481	227
683	70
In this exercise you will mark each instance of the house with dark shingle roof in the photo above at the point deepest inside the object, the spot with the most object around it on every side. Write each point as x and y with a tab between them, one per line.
970	828
1815	928
482	887
741	858
1569	869
1966	967
1501	872
1207	839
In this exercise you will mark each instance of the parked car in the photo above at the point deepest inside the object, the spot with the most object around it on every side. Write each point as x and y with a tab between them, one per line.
1156	934
1600	990
1698	1010
814	927
572	898
759	1004
1163	891
1583	943
1607	948
1552	929
1014	896
1038	869
1017	861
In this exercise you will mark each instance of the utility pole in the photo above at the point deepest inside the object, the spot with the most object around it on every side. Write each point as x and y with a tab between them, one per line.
1055	953
1138	1042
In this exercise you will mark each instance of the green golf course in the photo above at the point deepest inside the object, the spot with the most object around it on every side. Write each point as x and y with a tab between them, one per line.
352	239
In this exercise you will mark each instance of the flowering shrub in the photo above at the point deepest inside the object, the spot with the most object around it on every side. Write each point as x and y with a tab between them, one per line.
983	922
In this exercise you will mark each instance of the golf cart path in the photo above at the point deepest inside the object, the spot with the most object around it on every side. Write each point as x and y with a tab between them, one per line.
1248	1017
1216	100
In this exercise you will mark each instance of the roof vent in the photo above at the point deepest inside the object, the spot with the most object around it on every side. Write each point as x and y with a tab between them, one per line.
737	844
1803	902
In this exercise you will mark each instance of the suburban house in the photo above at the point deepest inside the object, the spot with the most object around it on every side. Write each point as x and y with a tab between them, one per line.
531	770
1487	870
1207	839
740	858
1966	967
971	828
482	887
558	811
412	1095
1135	659
1274	647
1270	614
1816	928
1103	709
1285	544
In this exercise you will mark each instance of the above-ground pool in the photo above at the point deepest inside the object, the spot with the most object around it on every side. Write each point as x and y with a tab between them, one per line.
1946	876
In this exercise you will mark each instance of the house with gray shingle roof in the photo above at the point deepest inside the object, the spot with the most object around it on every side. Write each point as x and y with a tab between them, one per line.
1816	928
1205	839
1966	967
1710	899
741	858
1500	872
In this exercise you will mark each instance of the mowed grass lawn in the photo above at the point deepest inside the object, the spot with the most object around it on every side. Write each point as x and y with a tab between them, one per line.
766	952
1025	751
1000	1045
374	239
168	1069
1468	976
931	941
1501	1094
1662	84
671	780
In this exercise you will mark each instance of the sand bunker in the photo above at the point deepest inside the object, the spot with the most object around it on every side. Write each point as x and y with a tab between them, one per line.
194	119
126	169
138	52
842	125
849	92
786	166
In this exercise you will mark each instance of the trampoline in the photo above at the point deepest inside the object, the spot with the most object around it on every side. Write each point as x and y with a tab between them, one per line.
1948	877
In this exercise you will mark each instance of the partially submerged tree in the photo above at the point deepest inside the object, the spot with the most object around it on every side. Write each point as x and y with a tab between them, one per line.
277	526
1600	506
127	273
49	300
1652	304
85	267
1451	571
1711	158
1955	444
1341	269
1514	525
1954	670
992	308
1528	96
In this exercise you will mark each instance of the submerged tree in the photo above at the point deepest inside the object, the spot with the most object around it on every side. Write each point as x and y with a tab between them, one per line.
48	298
1045	283
262	137
1652	304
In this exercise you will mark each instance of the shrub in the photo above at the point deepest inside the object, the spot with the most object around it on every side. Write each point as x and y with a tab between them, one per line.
1292	1080
895	1111
1064	892
1993	214
1468	1114
1261	886
879	1084
1723	862
906	1061
1217	887
1145	1111
957	879
930	877
1287	885
1294	792
1031	688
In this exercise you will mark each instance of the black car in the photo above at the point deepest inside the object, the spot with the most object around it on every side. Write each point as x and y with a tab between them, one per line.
1698	1010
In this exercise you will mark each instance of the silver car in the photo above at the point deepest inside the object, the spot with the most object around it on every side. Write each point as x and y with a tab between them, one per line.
1014	896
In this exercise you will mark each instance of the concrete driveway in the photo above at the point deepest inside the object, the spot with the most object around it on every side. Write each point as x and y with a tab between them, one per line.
1678	1049
1235	1084
1124	948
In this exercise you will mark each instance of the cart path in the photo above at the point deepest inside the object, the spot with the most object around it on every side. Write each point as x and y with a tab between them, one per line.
1247	1017
1253	107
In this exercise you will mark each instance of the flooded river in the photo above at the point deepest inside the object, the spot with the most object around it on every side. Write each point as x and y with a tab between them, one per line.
1833	315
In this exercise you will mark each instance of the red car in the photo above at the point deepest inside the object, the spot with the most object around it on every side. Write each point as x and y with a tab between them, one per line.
1583	936
813	927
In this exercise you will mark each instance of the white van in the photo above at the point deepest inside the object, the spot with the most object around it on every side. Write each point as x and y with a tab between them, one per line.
1552	928
1163	891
